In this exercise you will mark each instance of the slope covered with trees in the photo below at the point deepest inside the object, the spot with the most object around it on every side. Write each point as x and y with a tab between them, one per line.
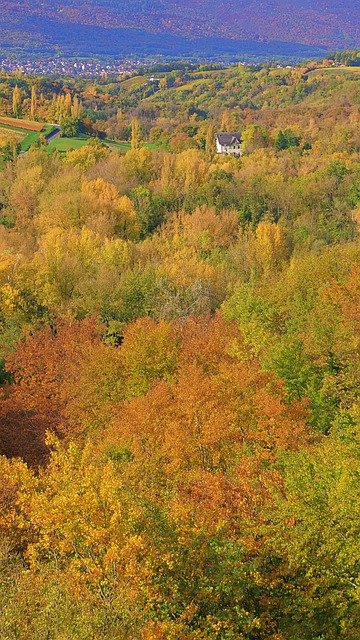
329	24
180	336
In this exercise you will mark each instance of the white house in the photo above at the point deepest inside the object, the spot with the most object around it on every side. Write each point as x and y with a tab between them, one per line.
229	143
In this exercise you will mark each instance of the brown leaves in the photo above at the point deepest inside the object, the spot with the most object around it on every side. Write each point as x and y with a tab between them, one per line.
198	397
58	377
216	407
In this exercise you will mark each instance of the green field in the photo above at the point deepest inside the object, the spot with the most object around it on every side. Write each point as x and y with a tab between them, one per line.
123	147
69	144
26	137
134	82
334	70
33	136
208	74
189	86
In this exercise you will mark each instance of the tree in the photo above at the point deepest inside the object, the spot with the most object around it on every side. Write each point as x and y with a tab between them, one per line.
286	139
10	151
68	103
306	538
57	374
149	353
270	246
16	101
210	141
135	133
109	212
204	425
254	137
76	108
149	214
164	82
87	156
33	103
69	126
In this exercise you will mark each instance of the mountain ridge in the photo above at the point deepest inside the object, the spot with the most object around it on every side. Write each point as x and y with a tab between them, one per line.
331	25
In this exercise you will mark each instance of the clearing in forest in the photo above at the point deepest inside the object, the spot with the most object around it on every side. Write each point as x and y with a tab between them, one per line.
26	132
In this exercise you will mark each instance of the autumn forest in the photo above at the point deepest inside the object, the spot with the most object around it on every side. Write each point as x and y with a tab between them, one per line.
180	341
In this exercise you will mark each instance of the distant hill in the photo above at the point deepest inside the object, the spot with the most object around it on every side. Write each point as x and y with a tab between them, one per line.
122	27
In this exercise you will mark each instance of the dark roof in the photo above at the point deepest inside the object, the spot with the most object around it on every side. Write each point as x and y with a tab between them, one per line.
228	139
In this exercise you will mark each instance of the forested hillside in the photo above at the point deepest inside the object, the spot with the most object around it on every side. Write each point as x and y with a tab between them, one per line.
180	338
203	27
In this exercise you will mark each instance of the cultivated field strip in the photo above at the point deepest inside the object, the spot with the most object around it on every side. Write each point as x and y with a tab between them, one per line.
21	124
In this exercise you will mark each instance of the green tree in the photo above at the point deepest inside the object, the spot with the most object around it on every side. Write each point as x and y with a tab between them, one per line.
286	139
69	126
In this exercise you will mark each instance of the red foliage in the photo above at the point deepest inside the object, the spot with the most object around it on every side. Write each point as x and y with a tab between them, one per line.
37	401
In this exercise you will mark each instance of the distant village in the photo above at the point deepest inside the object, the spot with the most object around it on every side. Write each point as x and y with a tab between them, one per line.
67	66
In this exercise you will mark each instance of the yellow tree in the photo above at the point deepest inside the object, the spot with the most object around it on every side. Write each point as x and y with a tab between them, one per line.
135	133
269	246
210	141
88	155
33	103
76	108
68	103
226	121
16	101
166	180
191	168
108	212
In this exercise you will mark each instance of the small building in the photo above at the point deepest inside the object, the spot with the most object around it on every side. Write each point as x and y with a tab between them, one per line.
229	143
